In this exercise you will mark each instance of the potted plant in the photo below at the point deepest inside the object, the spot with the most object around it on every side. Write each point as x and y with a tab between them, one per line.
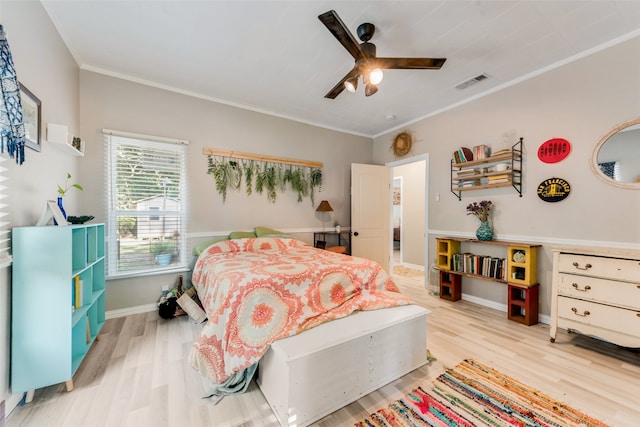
163	251
482	211
63	190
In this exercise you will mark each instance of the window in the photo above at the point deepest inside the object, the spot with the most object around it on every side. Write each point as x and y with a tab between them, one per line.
154	217
147	206
5	258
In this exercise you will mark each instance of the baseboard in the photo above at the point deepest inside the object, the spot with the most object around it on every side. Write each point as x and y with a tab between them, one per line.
485	302
11	403
147	308
409	265
542	318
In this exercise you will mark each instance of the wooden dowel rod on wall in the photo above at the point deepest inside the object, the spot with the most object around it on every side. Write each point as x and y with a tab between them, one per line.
260	157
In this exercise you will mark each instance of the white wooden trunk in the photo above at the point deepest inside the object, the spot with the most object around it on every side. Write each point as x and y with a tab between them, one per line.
310	375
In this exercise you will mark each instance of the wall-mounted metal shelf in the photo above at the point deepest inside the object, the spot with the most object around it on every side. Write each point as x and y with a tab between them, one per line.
483	174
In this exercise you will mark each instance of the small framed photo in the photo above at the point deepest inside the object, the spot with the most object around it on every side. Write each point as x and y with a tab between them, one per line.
31	110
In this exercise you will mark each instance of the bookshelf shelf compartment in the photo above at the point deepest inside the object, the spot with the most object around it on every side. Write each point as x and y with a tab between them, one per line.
475	180
520	276
46	262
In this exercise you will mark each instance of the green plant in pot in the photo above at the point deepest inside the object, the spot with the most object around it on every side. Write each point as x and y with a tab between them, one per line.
163	251
62	191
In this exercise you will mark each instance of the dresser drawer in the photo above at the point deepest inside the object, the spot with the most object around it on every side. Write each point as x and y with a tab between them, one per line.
624	294
610	268
600	315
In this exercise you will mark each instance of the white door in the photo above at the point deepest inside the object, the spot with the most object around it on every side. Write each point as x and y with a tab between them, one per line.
370	213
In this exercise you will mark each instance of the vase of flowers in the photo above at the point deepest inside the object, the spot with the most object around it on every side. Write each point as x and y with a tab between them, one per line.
482	211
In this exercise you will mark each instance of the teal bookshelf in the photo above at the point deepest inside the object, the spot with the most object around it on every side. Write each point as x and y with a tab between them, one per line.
49	336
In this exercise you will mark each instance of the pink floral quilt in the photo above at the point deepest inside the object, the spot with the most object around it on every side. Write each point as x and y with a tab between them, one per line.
258	290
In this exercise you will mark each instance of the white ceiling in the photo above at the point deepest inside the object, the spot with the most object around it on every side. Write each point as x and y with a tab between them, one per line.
276	57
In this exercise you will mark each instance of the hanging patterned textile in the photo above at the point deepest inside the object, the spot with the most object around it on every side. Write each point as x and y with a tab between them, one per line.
12	134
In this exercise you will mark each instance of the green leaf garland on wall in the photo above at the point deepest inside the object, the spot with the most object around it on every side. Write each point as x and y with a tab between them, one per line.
263	177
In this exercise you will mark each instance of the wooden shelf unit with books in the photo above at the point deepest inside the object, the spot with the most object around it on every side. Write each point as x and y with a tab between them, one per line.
58	302
481	174
518	272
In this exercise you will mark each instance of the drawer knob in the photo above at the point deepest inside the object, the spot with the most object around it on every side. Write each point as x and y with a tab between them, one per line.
586	266
577	287
584	314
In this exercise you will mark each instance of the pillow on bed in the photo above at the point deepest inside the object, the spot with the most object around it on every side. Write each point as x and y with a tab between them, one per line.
241	234
264	231
197	250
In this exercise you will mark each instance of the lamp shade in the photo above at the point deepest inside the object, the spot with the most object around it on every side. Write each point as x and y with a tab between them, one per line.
324	206
370	89
351	84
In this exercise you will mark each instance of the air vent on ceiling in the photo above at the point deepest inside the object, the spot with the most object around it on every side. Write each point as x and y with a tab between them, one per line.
473	80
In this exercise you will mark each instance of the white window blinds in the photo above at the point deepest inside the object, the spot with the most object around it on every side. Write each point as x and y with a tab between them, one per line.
147	206
5	257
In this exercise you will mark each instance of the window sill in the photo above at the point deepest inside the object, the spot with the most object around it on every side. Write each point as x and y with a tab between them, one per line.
181	269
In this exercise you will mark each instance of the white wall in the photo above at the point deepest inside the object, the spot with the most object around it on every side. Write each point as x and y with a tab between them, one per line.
113	103
413	194
47	69
581	102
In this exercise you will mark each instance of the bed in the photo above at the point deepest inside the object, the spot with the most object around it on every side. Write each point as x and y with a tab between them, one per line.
258	291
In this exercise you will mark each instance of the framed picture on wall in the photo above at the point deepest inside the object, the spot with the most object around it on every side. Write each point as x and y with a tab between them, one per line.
31	110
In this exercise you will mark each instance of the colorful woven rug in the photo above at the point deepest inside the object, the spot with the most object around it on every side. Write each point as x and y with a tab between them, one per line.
472	394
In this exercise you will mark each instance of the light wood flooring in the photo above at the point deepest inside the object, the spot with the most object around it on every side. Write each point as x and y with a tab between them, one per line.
137	374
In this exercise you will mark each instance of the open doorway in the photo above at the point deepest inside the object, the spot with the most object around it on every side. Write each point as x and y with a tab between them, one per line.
396	219
409	211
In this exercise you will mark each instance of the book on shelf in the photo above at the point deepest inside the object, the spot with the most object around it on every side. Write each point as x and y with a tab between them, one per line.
479	265
76	294
88	329
493	267
468	171
501	152
481	151
495	179
468	183
462	155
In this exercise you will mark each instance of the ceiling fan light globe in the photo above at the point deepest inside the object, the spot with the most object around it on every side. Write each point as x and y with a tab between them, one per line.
351	84
370	89
375	76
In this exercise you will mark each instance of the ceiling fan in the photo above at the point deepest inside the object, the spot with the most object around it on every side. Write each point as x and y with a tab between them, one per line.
367	64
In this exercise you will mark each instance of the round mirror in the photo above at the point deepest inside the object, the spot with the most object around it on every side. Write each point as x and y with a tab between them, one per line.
616	158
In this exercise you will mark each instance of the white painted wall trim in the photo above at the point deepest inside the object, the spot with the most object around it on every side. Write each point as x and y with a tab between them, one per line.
147	308
225	233
11	403
542	240
414	266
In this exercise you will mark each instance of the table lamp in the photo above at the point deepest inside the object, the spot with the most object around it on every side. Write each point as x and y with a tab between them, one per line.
324	206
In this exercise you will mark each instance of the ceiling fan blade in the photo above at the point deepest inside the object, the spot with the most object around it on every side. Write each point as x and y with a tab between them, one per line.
340	31
337	89
410	63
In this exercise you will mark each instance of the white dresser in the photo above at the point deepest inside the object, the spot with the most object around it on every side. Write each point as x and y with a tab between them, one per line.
596	292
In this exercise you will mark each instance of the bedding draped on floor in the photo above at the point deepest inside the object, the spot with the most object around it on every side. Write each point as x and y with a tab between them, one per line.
258	290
